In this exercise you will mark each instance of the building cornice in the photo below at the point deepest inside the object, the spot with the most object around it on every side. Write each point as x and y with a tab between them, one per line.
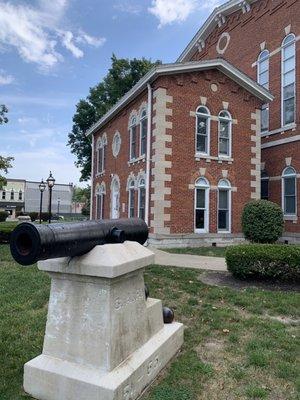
220	64
219	14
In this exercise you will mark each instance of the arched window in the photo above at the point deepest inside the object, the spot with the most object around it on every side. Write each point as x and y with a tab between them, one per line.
142	198
263	79
12	194
289	191
224	206
225	133
101	155
202	130
100	194
20	195
264	185
288	78
201	206
143	132
3	195
131	199
133	134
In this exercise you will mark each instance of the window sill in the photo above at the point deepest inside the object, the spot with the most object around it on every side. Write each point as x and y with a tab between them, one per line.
290	217
99	174
208	158
137	160
280	130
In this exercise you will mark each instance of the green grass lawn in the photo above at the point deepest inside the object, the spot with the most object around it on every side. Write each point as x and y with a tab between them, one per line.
199	251
235	347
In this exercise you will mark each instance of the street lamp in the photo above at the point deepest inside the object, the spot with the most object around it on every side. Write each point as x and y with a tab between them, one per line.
50	183
58	204
42	187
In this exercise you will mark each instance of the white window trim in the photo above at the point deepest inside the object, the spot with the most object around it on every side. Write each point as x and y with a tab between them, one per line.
139	195
229	190
101	145
258	67
131	189
224	156
283	125
142	118
206	214
283	193
133	123
208	117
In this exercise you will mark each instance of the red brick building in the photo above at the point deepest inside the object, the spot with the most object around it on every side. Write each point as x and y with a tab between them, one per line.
187	147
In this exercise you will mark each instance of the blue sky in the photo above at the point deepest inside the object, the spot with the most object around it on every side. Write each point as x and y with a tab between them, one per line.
52	51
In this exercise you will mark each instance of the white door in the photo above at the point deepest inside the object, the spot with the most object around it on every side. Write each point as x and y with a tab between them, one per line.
115	201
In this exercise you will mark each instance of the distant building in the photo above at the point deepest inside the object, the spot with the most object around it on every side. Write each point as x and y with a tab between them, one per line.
20	195
12	196
61	198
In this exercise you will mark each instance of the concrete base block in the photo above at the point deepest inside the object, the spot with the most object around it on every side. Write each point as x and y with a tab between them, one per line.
49	378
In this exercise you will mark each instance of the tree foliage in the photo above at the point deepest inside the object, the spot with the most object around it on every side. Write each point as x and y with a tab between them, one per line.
5	162
121	77
3	112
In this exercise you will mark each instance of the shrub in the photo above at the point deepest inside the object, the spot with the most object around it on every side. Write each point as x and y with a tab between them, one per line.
262	221
266	261
3	216
33	216
6	229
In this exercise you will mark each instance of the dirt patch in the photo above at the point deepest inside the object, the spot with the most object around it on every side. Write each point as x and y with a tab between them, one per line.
210	351
226	279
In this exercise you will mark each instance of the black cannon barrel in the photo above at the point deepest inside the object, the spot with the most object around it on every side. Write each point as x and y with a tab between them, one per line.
30	243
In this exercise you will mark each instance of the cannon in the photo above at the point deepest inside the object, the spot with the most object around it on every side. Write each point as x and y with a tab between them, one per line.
31	243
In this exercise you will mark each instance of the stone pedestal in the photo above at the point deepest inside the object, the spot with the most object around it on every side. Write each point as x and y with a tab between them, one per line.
103	340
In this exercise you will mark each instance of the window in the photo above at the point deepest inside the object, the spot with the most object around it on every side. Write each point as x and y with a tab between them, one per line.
289	191
288	54
3	195
142	198
131	199
20	195
115	197
224	206
133	132
143	132
101	156
263	79
225	127
202	130
201	205
264	186
12	195
100	201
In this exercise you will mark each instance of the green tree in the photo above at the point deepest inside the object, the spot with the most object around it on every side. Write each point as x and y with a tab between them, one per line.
3	112
121	77
83	195
5	162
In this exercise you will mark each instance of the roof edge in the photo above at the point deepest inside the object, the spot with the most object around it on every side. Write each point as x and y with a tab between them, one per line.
222	65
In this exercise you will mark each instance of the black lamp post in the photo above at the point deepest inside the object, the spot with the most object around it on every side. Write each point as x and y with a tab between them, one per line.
42	187
50	183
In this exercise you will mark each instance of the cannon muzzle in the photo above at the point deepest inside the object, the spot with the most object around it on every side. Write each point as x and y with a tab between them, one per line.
30	243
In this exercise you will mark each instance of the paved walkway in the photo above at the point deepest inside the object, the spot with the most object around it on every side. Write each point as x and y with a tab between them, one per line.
189	260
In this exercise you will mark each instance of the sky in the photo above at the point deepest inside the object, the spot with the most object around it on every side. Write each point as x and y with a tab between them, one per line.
53	51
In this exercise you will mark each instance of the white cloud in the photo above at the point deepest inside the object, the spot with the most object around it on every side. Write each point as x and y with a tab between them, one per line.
170	11
67	42
83	37
128	7
36	32
5	79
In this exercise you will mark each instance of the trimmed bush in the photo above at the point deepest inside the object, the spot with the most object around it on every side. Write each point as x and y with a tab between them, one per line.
262	221
264	261
6	229
3	216
33	216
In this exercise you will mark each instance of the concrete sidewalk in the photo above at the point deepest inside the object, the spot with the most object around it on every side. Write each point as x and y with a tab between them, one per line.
189	260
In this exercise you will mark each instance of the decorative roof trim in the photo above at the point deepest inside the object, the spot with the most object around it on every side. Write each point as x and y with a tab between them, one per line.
214	20
220	64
